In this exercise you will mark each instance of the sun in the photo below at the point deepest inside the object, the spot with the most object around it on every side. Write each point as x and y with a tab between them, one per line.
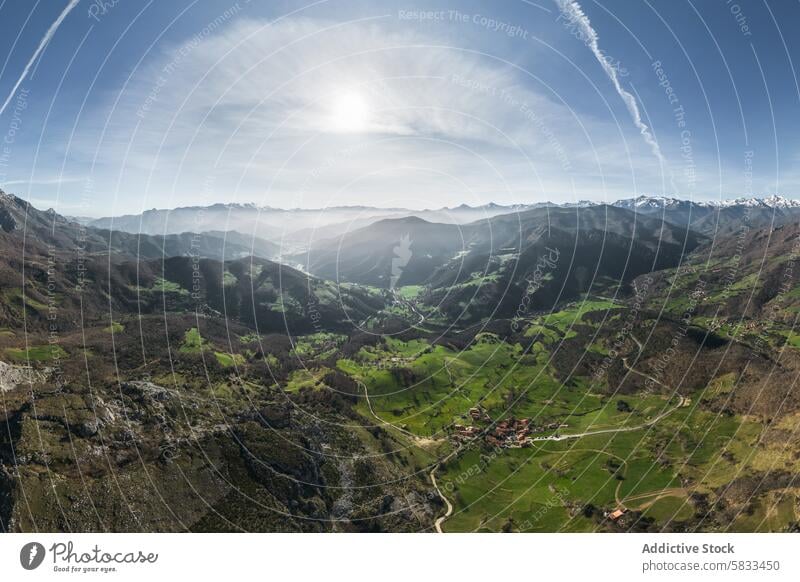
350	112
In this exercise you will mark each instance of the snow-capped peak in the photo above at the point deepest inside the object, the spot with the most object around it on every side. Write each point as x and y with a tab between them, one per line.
773	201
646	202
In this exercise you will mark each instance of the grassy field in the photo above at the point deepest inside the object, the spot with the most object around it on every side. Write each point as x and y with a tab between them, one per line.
635	451
547	487
36	353
495	375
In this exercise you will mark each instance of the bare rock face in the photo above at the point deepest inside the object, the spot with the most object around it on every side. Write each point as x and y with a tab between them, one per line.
7	222
12	376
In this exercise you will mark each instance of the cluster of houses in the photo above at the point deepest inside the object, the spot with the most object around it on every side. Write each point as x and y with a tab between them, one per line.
509	433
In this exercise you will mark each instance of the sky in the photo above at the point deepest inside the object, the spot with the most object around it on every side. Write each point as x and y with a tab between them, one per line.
117	106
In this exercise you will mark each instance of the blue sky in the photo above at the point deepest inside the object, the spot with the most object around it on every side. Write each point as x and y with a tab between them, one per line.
135	105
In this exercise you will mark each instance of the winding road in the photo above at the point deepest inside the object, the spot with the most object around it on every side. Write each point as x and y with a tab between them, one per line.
440	520
681	402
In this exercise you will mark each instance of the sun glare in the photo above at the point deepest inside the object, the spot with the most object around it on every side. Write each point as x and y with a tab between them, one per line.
350	112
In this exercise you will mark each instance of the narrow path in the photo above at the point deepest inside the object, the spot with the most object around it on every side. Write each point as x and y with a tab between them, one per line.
440	520
643	374
638	343
384	422
637	372
650	422
667	492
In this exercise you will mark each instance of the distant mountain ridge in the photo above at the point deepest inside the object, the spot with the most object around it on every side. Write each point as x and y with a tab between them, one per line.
772	201
186	219
293	230
39	232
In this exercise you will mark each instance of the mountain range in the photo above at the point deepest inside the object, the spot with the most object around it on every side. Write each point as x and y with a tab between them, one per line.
301	228
638	358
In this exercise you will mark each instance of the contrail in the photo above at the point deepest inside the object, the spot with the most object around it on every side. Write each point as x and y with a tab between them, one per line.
43	43
573	12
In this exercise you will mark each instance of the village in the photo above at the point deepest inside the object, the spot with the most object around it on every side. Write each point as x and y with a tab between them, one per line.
508	433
